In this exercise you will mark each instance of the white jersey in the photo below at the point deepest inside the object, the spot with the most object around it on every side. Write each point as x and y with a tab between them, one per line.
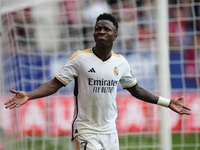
95	89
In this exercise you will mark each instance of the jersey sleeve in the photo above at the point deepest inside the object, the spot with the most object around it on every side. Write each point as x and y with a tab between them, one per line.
127	80
69	71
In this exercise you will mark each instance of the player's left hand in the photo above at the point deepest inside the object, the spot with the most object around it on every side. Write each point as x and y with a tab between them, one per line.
178	107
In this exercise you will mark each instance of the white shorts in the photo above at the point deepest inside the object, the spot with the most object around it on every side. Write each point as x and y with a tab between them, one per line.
91	141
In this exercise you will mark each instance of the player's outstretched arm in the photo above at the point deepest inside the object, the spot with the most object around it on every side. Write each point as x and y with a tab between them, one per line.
147	96
44	90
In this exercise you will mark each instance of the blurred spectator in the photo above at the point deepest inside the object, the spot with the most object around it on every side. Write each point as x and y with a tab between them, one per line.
136	39
144	58
69	12
180	27
177	28
127	31
90	12
197	14
46	19
70	21
93	9
144	32
115	5
192	63
181	39
9	44
186	8
23	31
148	15
197	58
128	10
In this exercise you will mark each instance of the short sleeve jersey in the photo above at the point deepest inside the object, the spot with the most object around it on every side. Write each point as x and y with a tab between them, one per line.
96	85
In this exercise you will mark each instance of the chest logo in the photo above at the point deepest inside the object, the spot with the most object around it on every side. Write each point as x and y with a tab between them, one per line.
116	72
92	70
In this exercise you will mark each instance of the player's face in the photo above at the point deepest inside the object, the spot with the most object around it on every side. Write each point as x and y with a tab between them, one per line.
104	33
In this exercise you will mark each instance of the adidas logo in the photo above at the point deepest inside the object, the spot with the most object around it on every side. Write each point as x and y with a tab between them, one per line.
76	131
92	70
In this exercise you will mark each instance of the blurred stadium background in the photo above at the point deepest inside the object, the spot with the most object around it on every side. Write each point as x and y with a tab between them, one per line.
37	37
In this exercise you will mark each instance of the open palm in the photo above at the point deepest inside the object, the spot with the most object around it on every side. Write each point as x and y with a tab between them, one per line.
178	107
19	99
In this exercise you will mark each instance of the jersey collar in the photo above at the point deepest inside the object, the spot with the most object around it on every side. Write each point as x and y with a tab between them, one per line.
104	60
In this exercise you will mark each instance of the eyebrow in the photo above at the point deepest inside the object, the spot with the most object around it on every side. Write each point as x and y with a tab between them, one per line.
106	25
114	27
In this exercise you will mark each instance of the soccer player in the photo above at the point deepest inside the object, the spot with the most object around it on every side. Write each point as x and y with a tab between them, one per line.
96	72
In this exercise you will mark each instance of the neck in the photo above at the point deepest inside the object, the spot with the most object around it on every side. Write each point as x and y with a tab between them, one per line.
102	52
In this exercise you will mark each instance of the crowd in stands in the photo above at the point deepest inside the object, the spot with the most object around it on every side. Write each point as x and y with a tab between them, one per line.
68	26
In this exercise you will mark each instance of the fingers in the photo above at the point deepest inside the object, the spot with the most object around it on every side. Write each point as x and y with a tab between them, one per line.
11	104
185	112
180	98
186	108
14	106
13	91
9	101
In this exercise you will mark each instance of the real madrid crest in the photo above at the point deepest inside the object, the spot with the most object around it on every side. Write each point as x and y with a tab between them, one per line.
116	72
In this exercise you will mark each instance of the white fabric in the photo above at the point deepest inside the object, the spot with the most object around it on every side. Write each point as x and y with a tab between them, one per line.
163	102
95	106
90	141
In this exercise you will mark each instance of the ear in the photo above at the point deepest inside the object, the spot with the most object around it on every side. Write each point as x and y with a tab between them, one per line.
115	36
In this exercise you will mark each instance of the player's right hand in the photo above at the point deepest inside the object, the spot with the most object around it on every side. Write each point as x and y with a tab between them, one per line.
19	99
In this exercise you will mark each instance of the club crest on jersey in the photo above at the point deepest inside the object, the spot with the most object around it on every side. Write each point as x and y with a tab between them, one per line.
116	72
